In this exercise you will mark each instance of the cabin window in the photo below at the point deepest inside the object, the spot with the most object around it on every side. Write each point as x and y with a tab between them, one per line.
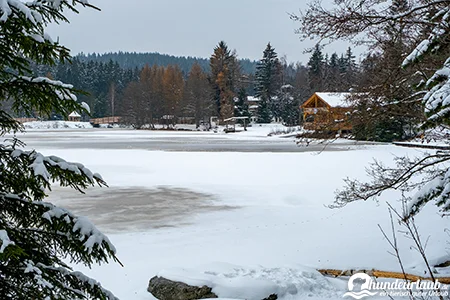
309	119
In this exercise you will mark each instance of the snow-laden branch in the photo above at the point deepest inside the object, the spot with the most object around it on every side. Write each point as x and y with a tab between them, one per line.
437	189
40	94
82	227
64	228
439	31
62	90
38	13
4	238
40	165
437	100
31	10
7	8
81	278
52	279
424	179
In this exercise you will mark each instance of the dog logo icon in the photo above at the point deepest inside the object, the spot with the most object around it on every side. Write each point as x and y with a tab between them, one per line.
365	292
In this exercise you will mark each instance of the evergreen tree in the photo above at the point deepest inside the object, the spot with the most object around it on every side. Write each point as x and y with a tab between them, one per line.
316	70
268	82
241	106
333	78
133	60
350	69
334	64
224	76
37	238
342	65
382	117
302	90
264	114
290	111
98	79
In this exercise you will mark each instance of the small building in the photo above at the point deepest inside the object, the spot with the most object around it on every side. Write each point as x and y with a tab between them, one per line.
253	104
75	117
327	112
230	123
253	107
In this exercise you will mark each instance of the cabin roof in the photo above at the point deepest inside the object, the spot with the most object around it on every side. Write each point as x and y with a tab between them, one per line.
335	99
74	114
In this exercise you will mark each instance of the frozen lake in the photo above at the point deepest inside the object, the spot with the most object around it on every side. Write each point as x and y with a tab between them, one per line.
123	208
251	141
190	199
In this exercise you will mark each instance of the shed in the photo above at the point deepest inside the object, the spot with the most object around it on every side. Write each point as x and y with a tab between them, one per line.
75	117
230	123
327	111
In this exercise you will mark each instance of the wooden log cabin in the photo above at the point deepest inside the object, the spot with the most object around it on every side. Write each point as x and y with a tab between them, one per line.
327	112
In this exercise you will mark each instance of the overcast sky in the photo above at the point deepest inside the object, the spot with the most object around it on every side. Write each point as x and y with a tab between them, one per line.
187	27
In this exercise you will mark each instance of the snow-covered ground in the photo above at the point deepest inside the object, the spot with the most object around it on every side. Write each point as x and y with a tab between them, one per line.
56	125
246	221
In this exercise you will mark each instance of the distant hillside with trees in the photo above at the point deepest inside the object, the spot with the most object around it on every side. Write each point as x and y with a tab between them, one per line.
131	60
152	88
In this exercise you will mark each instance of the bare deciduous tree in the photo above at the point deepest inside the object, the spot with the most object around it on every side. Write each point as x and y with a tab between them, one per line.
428	36
198	102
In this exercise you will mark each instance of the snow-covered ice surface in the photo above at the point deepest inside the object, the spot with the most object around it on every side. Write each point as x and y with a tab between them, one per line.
254	140
36	125
248	203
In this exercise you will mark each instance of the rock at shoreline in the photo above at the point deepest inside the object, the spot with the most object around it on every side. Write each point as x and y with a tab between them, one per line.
165	289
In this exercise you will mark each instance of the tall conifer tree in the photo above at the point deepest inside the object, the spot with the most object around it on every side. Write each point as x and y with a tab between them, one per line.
268	82
37	239
224	77
316	69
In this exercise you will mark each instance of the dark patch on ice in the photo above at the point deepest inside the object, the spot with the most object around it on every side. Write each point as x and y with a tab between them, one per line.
137	209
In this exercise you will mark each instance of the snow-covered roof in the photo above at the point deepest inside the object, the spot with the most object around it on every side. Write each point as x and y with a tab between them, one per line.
74	114
253	98
253	106
335	99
